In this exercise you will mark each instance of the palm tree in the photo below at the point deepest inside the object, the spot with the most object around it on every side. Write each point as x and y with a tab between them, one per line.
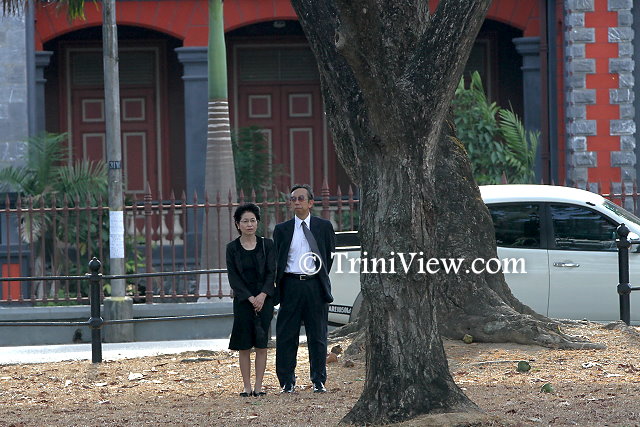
220	180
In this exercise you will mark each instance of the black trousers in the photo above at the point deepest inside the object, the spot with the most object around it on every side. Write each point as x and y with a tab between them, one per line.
301	301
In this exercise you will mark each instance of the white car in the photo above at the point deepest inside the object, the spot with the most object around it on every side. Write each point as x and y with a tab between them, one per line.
566	238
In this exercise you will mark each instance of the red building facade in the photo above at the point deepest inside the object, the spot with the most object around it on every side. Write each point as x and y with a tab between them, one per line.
562	65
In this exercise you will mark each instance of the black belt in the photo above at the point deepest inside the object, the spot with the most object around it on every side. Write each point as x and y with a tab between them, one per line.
301	276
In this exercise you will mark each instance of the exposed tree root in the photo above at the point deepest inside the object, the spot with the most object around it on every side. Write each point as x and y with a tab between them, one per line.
516	328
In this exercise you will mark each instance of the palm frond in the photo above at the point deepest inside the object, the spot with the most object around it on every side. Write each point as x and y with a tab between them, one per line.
46	151
512	131
74	8
16	179
522	145
84	179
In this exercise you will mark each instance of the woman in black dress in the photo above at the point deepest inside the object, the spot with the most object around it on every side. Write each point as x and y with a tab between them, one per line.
251	265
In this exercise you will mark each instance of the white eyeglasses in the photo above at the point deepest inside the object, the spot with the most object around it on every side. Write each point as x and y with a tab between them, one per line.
248	221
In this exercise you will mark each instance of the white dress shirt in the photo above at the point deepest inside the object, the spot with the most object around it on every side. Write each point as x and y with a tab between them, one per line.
299	247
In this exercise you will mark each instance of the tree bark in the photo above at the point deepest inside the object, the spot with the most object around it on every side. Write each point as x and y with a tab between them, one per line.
388	72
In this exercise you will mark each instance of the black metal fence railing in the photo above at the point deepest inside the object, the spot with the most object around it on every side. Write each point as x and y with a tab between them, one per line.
96	322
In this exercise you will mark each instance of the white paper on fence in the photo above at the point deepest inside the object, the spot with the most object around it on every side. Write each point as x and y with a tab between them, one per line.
116	234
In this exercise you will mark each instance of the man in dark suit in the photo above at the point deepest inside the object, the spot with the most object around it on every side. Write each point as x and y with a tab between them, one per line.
303	252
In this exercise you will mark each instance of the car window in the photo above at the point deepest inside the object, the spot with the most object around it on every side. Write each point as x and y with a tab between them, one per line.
581	229
517	225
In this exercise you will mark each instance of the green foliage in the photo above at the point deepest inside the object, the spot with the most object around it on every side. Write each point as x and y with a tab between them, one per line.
74	8
47	173
495	138
45	181
253	162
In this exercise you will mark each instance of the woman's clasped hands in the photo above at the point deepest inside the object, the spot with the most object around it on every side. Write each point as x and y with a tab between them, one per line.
258	301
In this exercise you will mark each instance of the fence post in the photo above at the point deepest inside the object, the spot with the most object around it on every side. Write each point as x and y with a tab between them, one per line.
624	288
148	239
324	192
95	321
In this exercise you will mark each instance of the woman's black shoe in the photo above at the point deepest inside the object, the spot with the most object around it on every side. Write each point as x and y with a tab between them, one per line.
260	393
245	394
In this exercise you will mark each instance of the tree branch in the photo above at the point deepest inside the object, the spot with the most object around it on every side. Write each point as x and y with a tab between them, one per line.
454	24
378	56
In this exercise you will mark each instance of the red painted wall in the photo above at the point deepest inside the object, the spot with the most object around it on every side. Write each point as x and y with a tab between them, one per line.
186	20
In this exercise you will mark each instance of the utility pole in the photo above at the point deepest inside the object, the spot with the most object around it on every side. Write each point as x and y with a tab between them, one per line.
118	306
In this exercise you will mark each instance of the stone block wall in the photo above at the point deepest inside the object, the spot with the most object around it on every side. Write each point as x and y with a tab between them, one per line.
14	121
599	85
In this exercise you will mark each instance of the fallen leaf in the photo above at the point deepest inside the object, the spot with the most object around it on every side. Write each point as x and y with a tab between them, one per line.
588	365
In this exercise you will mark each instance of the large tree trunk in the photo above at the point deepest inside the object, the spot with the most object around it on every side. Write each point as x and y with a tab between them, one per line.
407	371
388	72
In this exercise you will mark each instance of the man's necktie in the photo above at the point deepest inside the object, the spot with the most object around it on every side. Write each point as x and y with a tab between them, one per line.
312	241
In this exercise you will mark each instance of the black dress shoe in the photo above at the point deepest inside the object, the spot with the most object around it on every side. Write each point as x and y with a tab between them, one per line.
259	393
288	388
318	387
246	394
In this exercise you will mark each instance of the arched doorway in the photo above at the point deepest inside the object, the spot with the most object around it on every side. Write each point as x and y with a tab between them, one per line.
275	85
151	108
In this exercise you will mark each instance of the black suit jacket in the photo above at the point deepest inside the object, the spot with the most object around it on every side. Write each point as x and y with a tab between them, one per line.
266	268
325	237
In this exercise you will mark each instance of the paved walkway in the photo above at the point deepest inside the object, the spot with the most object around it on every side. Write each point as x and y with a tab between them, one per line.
110	351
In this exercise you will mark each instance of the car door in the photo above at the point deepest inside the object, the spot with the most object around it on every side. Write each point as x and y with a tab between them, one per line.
519	236
583	264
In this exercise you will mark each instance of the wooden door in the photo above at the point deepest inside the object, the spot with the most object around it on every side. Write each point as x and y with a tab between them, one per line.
291	117
139	111
138	134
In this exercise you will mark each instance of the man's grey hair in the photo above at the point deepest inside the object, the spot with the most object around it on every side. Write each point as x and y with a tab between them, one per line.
306	187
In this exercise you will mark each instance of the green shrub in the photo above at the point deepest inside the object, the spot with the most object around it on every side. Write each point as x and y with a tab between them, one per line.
494	138
253	162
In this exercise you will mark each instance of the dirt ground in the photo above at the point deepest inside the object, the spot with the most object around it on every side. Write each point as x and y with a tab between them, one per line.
590	388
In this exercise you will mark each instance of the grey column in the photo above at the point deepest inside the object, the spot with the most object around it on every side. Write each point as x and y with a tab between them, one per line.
42	61
194	61
529	48
195	76
14	112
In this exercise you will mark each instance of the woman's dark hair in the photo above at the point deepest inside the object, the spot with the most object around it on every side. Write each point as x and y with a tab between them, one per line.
247	207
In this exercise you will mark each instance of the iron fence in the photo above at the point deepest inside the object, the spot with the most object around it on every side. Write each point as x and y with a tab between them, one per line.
57	237
54	238
96	322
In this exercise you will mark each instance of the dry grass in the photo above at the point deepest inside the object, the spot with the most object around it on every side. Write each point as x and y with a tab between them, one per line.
591	387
